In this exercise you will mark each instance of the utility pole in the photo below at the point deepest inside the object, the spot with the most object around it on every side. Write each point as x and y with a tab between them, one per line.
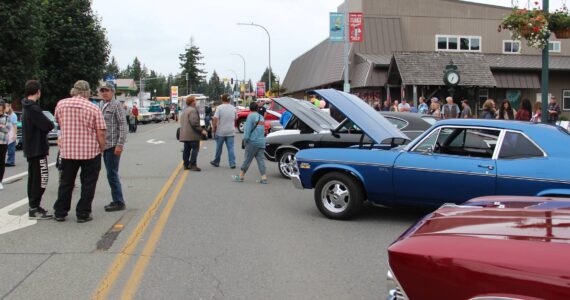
187	90
545	69
346	87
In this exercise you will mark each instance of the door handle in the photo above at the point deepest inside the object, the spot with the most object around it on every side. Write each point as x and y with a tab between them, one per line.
488	167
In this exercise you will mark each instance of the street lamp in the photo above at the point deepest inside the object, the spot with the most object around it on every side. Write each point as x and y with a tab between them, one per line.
269	38
242	58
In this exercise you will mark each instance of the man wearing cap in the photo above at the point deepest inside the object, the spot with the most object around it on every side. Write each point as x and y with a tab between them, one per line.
82	141
115	138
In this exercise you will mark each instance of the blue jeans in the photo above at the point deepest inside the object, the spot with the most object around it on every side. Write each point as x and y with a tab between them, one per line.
229	140
251	152
112	165
190	153
11	158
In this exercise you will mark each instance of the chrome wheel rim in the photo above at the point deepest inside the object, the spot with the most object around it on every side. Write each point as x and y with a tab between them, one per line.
288	164
241	126
335	196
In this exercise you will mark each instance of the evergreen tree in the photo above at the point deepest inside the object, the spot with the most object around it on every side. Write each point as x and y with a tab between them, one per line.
76	47
136	70
265	76
191	65
112	68
215	87
21	45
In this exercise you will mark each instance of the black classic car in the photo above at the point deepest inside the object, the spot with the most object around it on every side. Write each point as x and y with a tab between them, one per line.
310	127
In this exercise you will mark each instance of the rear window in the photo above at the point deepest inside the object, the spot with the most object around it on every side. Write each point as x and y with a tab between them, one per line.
398	123
517	146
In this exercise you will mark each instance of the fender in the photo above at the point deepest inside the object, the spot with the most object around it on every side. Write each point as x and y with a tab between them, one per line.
286	147
555	193
346	168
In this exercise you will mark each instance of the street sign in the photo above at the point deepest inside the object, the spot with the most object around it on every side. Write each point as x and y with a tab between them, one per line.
356	24
336	27
260	88
174	93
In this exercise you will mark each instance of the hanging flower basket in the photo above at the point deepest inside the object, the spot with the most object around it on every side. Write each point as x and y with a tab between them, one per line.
559	23
532	25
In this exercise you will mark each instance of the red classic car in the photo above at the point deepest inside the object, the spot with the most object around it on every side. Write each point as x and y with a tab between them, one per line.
498	247
269	105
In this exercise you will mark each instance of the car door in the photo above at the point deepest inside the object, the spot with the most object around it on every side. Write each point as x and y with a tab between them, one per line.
451	165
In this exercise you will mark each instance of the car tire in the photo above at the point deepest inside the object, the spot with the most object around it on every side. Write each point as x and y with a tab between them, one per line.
241	125
338	196
285	163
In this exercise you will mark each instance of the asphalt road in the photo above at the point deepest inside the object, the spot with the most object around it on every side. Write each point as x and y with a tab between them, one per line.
190	235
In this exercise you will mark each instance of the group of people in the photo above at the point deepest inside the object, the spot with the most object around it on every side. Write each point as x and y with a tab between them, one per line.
223	129
450	110
87	135
8	137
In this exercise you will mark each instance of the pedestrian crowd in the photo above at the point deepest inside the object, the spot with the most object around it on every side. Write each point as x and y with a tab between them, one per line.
87	134
489	110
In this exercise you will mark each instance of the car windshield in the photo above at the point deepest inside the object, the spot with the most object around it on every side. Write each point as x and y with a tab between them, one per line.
143	110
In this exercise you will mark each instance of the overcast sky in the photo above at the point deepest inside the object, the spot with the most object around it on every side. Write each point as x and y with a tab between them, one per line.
158	31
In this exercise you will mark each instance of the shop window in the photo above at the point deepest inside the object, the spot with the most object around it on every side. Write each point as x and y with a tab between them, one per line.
511	47
566	99
554	46
458	43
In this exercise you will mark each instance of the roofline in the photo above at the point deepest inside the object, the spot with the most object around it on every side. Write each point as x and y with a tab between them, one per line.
479	4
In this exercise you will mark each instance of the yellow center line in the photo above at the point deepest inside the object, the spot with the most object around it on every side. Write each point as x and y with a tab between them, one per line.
122	258
132	285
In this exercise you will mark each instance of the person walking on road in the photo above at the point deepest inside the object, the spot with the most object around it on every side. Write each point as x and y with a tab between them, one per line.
115	138
35	128
82	141
254	139
190	134
12	137
223	128
135	113
5	128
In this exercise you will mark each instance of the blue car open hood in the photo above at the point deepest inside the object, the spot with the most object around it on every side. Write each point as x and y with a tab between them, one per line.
370	121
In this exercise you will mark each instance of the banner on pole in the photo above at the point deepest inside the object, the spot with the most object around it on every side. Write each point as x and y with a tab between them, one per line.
174	93
336	27
356	27
260	88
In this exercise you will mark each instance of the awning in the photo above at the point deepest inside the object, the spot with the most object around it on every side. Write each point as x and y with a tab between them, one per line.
518	80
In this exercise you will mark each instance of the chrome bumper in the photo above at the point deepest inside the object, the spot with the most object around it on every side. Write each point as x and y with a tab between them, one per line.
297	182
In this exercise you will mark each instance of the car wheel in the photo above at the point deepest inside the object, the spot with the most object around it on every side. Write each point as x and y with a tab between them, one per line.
241	125
338	196
288	164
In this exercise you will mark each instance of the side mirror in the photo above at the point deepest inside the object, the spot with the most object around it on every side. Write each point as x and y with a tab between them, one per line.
335	134
428	151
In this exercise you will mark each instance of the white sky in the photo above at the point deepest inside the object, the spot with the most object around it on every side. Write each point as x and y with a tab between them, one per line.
158	31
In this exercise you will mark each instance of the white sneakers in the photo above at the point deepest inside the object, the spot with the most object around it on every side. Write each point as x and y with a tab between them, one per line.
1	186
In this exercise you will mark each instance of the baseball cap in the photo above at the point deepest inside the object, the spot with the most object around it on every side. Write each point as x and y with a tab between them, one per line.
82	86
107	85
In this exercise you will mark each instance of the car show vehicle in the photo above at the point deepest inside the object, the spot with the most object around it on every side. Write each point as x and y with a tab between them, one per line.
499	247
311	127
54	133
158	114
269	105
455	160
145	116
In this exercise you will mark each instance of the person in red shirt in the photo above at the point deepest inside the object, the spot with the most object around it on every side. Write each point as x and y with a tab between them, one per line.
82	141
135	113
525	112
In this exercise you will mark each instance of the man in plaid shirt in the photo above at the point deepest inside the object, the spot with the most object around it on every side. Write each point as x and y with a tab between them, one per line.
82	141
116	136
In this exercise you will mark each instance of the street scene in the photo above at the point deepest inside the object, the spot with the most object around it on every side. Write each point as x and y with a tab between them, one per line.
411	149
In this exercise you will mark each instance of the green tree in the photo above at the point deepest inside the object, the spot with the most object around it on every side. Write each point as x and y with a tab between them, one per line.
76	47
191	65
265	76
136	70
21	45
215	87
112	68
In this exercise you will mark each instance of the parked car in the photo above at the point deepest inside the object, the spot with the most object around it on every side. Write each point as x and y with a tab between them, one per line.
158	114
310	127
269	105
500	247
54	133
19	130
455	160
145	116
272	125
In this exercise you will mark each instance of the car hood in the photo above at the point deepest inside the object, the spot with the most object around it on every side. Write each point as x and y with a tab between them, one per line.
308	113
365	117
507	218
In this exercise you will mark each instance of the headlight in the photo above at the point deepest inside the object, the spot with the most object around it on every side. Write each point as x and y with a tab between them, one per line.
395	291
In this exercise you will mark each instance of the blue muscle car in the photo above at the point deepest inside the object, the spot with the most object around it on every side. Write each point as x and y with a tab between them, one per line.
455	160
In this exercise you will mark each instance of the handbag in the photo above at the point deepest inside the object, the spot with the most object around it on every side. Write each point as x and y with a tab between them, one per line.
250	133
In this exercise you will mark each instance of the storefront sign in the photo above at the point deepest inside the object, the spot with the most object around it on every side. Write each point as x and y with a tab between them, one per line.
336	27
174	93
356	27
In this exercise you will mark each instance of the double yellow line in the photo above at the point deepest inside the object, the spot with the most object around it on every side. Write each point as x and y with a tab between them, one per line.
129	290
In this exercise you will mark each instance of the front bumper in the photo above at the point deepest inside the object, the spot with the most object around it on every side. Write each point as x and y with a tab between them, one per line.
395	291
297	182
